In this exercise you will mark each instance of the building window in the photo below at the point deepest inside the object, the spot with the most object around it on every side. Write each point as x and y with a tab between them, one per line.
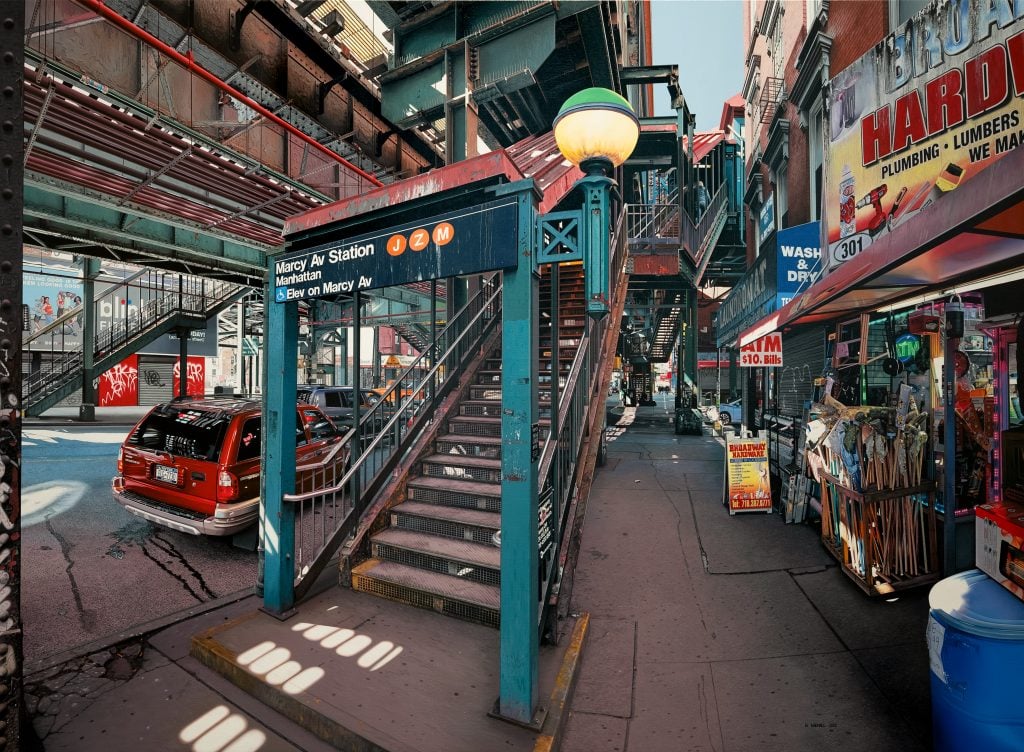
816	157
813	6
781	195
901	11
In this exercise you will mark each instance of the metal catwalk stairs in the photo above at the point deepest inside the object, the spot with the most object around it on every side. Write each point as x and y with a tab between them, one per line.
439	549
167	303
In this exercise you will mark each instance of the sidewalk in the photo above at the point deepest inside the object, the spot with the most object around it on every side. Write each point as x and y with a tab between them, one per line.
707	632
711	632
109	416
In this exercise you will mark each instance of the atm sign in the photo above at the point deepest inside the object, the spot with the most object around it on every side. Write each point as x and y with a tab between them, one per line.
766	351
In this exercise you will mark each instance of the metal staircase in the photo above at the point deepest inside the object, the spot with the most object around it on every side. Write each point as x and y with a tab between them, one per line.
416	335
163	302
439	549
667	325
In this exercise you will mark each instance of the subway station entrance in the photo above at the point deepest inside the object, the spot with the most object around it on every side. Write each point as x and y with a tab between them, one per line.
461	497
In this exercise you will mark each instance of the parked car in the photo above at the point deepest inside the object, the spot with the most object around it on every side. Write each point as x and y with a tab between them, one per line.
731	412
337	403
193	464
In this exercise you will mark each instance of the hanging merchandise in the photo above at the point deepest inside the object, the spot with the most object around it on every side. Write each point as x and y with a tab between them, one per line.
878	516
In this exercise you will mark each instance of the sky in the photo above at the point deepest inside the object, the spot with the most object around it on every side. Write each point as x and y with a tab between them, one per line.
705	39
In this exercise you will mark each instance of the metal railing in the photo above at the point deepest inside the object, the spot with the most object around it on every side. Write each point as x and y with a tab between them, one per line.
122	313
329	508
696	236
653	222
560	456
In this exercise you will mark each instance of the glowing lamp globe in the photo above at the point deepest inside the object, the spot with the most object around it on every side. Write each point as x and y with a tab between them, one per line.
596	124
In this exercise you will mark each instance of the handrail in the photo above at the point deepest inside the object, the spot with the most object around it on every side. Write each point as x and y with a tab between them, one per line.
695	234
328	513
561	453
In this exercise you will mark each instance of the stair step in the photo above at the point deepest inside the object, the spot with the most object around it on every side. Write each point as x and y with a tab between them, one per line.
451	522
481	408
469	446
471	425
455	492
454	466
460	558
443	593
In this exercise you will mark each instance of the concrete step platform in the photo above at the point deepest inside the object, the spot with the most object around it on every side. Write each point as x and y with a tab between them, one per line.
453	596
367	675
453	492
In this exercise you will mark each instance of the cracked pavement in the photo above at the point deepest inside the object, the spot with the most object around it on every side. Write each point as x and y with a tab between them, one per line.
91	570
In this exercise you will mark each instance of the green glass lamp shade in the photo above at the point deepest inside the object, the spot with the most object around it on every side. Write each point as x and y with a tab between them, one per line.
596	123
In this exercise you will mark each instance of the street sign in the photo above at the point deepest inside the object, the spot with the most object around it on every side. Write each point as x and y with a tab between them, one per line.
392	362
250	346
475	239
766	351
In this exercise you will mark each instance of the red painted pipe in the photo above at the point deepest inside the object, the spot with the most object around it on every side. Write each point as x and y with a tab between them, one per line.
100	9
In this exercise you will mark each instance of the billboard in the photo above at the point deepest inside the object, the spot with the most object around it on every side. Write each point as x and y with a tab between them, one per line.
925	111
798	262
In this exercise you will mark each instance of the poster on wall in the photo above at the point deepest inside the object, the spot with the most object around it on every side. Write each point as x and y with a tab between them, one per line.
928	109
47	297
748	486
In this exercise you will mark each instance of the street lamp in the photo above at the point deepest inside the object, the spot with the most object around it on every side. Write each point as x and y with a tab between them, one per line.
597	130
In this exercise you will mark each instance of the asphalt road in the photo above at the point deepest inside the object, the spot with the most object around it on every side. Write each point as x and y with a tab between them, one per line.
89	568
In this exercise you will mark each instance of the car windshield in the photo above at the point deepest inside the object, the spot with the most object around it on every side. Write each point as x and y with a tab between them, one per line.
195	434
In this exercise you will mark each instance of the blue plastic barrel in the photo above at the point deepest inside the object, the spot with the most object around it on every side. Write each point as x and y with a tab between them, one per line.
976	650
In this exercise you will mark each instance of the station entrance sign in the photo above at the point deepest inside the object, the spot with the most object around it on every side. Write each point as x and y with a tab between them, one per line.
766	351
475	239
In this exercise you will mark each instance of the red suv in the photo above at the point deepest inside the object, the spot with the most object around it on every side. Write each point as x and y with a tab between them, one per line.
193	464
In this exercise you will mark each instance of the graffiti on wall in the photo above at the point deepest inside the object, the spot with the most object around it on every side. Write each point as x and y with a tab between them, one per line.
195	375
119	387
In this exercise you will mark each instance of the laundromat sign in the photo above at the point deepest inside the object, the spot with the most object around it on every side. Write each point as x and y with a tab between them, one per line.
766	351
467	241
929	108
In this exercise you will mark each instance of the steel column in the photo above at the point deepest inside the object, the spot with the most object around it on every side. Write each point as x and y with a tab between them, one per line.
520	588
279	423
90	268
691	337
183	362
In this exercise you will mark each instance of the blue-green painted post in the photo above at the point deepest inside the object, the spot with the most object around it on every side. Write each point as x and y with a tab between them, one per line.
596	190
520	589
279	416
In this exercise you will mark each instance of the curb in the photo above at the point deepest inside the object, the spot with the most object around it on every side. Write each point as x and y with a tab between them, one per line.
565	685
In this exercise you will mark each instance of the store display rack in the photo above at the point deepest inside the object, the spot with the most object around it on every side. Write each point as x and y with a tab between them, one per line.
884	540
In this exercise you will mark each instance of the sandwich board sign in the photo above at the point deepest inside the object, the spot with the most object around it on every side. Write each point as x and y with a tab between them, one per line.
748	486
766	351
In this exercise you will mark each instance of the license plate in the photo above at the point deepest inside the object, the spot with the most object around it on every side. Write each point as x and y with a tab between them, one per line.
166	474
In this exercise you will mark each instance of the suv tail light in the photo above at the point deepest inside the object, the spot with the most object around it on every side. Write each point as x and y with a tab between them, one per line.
227	486
120	459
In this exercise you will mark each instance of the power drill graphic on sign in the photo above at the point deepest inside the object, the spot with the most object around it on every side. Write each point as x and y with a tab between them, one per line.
874	199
